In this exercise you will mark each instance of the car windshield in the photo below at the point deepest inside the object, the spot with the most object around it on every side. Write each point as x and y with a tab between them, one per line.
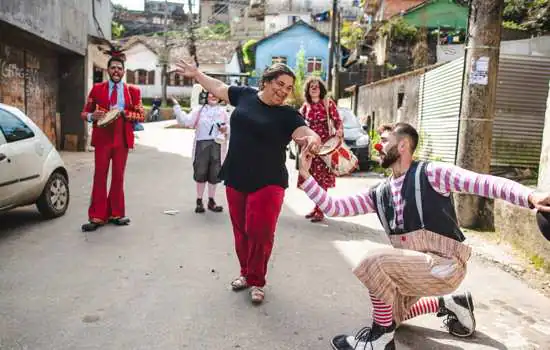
350	121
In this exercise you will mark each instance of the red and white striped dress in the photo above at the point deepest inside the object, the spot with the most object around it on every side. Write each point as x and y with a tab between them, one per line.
444	178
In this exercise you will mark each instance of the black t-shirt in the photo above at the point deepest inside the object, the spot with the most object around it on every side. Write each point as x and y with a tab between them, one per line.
257	146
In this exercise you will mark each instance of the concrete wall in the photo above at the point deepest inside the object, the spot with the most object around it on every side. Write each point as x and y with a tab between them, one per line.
99	18
57	21
544	168
518	225
382	99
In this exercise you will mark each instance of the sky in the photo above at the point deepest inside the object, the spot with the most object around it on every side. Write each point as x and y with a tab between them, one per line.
138	4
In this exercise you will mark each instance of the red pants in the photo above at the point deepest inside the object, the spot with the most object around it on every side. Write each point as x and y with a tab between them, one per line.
101	206
254	217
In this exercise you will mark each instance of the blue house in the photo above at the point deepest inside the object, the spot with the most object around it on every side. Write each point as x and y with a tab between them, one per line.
284	45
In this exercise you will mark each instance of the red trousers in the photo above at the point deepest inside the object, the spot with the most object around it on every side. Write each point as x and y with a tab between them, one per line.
254	217
102	207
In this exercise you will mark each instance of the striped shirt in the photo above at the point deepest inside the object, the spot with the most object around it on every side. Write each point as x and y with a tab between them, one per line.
444	178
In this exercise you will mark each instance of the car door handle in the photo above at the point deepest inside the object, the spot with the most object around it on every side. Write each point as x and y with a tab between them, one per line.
3	157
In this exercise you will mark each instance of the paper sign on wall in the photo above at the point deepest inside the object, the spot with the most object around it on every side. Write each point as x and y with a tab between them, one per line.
479	73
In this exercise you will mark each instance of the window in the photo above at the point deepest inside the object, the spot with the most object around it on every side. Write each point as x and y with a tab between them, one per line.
130	76
13	128
278	59
314	64
175	79
220	9
400	99
141	77
151	77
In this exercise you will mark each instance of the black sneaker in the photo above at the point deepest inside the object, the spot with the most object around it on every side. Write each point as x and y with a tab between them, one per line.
459	310
91	226
212	206
200	206
369	338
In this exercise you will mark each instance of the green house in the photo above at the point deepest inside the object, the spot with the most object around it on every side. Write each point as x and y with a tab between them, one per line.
434	14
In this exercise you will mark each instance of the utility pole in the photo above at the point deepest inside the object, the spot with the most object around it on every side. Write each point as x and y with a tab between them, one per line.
332	42
192	47
338	57
478	105
165	56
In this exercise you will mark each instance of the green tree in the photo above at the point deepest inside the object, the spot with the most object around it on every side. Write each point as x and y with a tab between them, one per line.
117	30
297	98
249	54
351	33
531	15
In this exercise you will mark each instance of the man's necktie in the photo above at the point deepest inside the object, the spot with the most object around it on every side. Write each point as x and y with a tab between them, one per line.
114	95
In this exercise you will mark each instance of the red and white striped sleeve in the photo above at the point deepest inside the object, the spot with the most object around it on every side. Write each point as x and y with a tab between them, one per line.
357	204
447	178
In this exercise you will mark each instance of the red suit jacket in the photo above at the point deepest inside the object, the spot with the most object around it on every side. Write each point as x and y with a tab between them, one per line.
133	110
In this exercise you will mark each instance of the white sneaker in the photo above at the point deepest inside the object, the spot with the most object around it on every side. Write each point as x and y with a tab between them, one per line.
369	338
459	309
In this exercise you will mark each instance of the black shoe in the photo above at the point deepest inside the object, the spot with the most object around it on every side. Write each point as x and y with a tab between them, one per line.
200	207
122	221
369	338
212	206
91	226
459	310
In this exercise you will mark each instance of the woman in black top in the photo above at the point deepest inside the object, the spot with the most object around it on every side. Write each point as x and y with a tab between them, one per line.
254	170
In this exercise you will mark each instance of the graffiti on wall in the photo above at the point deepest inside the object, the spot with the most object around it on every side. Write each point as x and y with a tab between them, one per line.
12	70
29	81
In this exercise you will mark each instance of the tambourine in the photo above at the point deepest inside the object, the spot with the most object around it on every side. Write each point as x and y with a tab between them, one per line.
330	146
110	116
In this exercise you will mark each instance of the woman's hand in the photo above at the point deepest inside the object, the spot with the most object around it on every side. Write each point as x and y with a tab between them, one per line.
340	133
540	201
305	163
223	129
186	69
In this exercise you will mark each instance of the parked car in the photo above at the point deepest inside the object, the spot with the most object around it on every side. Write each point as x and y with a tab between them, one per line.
31	170
355	136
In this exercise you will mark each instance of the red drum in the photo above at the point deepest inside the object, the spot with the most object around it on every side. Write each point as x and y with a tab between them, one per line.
338	157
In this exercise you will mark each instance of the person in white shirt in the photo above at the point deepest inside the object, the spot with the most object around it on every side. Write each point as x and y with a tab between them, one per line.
210	121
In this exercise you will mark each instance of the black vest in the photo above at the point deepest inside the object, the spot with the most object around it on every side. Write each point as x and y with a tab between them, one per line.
438	211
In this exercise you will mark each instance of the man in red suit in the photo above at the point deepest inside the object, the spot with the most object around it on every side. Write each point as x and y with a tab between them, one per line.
111	143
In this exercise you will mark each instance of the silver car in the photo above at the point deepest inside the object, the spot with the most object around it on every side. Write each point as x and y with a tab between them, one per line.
31	170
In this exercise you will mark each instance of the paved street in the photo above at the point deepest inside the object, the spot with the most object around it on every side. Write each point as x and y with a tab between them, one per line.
162	282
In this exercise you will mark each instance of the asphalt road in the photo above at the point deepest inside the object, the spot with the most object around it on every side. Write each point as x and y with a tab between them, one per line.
163	281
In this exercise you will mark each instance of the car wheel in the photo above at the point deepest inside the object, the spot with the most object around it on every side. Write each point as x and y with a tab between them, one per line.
364	165
54	200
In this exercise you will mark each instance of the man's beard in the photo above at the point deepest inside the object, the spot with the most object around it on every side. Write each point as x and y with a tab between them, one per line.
390	157
119	78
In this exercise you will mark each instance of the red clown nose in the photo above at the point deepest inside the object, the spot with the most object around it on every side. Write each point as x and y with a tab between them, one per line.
378	147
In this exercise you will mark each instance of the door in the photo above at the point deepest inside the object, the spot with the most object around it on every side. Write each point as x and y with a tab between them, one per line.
8	176
21	164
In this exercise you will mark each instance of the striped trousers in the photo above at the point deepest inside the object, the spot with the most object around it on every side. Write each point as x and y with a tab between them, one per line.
420	264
